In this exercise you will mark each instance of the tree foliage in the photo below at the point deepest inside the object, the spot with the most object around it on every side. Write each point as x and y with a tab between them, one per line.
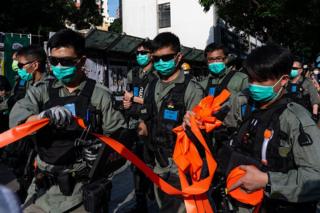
42	16
116	26
291	23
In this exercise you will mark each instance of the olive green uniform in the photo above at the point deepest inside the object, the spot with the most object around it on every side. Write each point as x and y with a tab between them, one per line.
237	83
53	200
309	89
193	95
303	183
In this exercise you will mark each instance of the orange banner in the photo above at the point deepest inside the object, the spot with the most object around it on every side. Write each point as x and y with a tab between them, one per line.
186	155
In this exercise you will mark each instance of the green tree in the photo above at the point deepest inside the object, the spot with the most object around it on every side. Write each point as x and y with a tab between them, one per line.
291	23
116	26
88	14
42	16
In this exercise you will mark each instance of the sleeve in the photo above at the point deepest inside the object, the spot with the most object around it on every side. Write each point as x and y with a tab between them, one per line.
234	117
193	95
129	77
244	82
314	95
112	119
301	184
27	106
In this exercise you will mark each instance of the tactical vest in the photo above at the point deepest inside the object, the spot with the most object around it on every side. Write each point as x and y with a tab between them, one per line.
251	139
295	92
163	121
19	91
216	89
56	146
138	88
140	84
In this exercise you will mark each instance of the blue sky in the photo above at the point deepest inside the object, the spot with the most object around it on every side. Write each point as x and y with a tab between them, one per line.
113	6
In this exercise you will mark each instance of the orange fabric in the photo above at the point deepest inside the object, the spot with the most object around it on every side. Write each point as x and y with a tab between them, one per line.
254	198
21	131
185	154
267	134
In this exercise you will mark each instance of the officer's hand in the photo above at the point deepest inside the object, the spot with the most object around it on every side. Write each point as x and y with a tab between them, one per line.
127	104
142	129
127	95
253	180
57	115
186	119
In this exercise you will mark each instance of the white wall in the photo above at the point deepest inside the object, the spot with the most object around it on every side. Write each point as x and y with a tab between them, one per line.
193	26
139	18
189	22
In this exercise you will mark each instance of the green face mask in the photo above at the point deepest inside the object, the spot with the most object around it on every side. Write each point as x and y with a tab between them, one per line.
261	93
14	66
217	67
165	68
64	74
143	60
24	75
294	73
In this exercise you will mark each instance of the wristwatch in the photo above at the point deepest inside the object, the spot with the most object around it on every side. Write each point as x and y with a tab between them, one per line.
131	99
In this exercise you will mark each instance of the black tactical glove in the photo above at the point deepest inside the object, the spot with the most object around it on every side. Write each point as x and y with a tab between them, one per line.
58	116
315	117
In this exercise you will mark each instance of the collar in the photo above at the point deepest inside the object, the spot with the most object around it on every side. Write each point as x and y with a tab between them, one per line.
221	75
178	80
59	84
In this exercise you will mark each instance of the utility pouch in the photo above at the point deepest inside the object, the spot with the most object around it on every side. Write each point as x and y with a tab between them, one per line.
66	183
96	195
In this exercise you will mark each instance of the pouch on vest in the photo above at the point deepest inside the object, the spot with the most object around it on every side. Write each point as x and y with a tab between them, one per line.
96	196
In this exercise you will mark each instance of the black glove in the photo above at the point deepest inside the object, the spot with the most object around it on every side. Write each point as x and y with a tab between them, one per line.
58	116
91	151
315	117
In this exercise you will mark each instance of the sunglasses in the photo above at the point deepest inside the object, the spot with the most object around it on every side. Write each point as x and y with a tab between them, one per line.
219	58
164	57
21	65
67	61
296	68
143	52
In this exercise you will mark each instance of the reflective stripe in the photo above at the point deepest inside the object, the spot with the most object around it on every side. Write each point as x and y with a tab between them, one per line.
268	134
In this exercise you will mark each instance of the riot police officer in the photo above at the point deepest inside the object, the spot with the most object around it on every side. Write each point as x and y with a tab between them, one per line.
220	76
167	99
138	79
65	153
276	143
301	90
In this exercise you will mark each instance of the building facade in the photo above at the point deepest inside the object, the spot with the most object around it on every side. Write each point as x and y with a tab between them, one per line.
186	19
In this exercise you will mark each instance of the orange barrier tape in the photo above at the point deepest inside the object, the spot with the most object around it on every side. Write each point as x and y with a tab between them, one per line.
254	198
21	131
185	154
187	158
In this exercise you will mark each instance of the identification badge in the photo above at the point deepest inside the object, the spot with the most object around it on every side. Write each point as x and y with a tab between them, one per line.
135	91
72	108
170	115
293	88
212	90
22	82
